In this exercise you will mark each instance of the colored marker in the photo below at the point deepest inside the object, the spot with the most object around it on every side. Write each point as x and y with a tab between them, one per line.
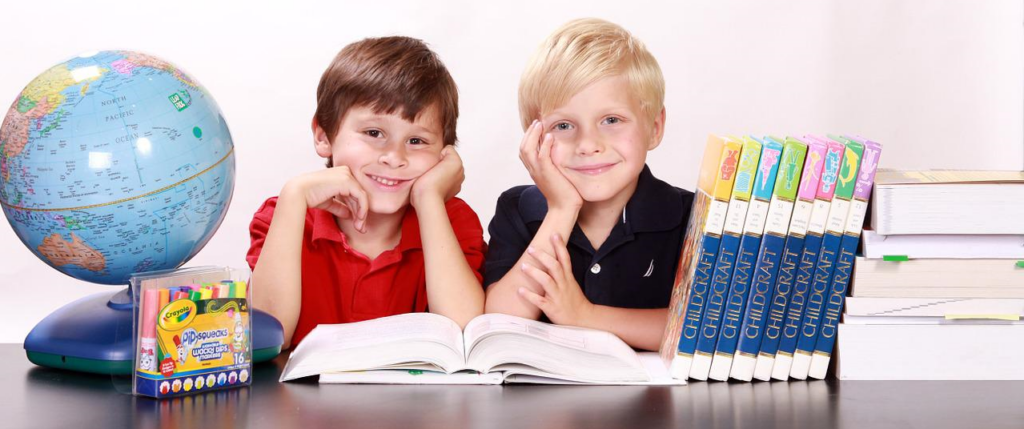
165	297
223	291
207	293
147	344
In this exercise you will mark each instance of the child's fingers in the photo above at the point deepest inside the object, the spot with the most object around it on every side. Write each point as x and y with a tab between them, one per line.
544	157
528	148
362	199
550	264
540	277
337	208
537	300
561	253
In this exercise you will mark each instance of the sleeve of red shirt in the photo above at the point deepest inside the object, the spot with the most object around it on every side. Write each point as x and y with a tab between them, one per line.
469	233
258	231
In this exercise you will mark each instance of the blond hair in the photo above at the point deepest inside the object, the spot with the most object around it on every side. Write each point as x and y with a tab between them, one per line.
580	53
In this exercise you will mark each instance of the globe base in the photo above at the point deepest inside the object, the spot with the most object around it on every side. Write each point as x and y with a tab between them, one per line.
94	334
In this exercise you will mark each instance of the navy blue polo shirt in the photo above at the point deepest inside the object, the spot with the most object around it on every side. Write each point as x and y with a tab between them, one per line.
634	267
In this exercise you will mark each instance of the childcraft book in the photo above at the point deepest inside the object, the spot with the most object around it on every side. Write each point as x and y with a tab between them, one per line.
425	348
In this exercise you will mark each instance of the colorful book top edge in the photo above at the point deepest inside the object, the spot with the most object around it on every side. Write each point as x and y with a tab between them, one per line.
767	169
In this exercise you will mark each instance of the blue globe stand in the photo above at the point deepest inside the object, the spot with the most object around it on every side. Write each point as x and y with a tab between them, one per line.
94	334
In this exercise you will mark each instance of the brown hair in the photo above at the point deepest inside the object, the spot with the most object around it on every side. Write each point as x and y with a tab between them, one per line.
387	74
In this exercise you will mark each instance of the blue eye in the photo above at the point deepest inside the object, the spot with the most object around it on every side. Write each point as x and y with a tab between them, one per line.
563	126
612	120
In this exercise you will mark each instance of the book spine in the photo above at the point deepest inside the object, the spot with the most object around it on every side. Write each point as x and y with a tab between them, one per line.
754	225
741	194
834	228
844	263
766	268
808	258
691	252
810	178
707	253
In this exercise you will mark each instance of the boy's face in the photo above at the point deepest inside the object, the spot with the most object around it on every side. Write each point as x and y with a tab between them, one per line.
385	153
601	139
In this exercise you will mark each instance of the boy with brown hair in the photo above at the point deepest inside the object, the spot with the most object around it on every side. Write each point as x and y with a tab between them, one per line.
379	231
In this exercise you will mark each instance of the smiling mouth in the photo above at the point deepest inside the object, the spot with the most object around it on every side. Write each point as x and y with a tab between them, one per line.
387	183
594	169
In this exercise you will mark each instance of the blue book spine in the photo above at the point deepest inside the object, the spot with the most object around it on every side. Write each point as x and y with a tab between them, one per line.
781	295
798	299
737	296
811	322
836	296
760	292
711	321
698	294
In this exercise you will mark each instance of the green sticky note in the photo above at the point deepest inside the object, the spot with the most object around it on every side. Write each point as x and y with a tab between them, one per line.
1020	264
895	258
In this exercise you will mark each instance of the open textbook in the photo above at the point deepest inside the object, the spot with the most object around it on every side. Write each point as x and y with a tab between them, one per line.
425	348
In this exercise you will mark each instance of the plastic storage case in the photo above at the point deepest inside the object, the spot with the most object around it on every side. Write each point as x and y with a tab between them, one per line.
192	331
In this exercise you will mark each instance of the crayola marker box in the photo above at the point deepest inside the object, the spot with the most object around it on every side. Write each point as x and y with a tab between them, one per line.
192	342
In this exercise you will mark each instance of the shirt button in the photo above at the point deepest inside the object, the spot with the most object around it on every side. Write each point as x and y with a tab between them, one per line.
596	268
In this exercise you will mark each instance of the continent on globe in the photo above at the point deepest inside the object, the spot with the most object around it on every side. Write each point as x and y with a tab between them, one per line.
60	252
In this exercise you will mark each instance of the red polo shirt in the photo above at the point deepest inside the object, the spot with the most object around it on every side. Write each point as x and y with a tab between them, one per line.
341	285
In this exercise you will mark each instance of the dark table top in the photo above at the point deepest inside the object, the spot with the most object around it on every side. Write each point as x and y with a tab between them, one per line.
39	397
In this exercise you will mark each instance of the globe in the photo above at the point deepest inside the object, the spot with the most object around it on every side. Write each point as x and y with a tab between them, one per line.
113	163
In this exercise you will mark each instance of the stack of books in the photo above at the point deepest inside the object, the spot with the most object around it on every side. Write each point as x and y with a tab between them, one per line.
939	291
767	259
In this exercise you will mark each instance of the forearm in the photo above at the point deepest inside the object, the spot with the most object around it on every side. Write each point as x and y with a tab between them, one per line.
277	277
640	328
503	296
453	290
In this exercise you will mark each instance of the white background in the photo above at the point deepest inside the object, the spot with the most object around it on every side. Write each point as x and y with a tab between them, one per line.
939	83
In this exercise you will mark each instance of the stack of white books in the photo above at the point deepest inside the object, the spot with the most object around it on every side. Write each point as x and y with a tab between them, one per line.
939	291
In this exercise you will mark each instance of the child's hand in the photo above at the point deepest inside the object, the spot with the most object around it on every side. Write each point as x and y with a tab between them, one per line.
536	156
337	191
443	181
563	301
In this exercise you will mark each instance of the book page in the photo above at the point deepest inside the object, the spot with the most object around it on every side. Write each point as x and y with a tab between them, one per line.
407	338
494	340
659	375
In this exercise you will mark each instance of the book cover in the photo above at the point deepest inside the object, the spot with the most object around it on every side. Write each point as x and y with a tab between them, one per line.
810	178
721	269
938	278
697	258
708	327
808	257
741	193
941	246
766	267
830	243
844	262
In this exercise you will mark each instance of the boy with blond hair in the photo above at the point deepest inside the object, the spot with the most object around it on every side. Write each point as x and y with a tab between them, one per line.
595	242
378	232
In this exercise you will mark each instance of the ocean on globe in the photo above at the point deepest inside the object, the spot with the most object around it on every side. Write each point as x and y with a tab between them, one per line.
113	163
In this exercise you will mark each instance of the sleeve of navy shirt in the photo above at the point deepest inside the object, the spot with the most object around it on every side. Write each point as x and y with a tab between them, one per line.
509	236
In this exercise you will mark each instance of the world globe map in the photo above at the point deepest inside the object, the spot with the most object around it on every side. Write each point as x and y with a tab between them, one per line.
114	163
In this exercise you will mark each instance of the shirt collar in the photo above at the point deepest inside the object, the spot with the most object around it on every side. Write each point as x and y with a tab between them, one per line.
326	228
654	205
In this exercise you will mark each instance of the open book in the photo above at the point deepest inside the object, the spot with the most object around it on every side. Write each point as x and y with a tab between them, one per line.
425	348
